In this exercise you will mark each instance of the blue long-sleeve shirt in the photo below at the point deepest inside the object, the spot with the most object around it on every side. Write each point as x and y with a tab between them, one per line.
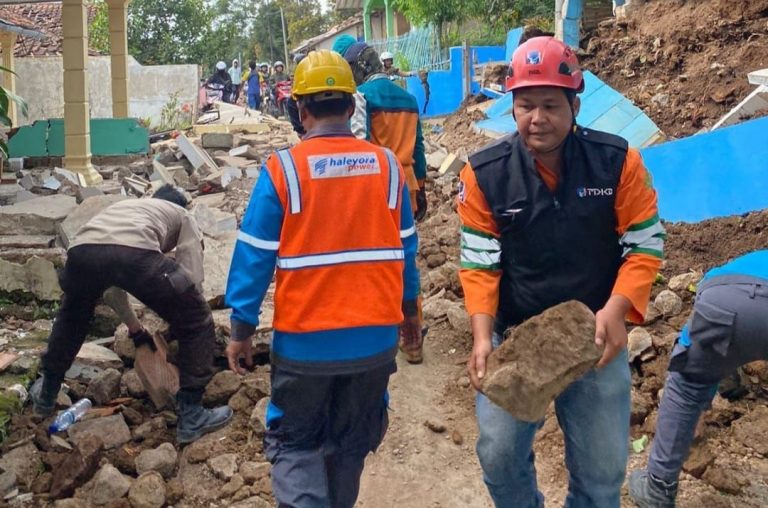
252	270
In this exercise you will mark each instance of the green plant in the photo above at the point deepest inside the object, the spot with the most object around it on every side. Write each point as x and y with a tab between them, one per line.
175	115
6	99
402	63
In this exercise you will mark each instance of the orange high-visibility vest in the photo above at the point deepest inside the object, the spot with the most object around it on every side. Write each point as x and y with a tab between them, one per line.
340	258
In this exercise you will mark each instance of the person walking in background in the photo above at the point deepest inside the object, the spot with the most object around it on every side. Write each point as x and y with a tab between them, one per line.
235	76
254	86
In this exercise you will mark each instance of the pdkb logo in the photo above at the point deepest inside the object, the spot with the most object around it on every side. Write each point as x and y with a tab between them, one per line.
533	58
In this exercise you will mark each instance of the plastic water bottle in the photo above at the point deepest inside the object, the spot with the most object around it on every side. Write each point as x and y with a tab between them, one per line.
70	416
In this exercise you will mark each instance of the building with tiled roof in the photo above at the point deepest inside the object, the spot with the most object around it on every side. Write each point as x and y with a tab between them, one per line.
42	17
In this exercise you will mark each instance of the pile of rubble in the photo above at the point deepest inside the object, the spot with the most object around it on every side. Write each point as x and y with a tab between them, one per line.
121	453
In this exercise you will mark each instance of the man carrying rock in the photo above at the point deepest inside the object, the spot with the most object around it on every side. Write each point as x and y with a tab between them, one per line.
124	246
554	213
728	328
388	116
333	214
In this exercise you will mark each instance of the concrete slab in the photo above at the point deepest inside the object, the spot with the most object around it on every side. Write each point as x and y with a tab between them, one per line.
756	102
26	241
37	276
196	156
758	77
36	216
249	128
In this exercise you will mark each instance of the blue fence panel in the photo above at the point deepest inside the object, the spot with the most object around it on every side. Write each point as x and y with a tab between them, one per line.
716	174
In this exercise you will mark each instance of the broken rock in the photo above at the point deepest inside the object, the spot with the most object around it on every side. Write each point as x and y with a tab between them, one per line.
24	462
132	384
221	387
37	276
224	466
684	281
162	459
213	140
540	358
668	303
107	485
105	387
639	341
77	468
112	430
98	356
253	471
36	216
148	491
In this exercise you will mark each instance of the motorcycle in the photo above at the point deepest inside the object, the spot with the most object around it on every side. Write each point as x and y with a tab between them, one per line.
283	92
209	94
268	105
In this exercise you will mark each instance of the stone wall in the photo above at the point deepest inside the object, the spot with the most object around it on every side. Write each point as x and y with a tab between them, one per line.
40	82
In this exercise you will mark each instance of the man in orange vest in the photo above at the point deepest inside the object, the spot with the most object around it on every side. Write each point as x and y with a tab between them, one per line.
333	215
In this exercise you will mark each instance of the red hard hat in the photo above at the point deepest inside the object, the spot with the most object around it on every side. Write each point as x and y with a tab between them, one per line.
544	61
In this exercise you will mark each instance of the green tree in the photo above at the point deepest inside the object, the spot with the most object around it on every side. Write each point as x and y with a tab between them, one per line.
506	14
436	12
98	28
169	32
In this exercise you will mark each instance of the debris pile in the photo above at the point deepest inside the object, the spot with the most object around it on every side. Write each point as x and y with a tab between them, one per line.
123	451
684	63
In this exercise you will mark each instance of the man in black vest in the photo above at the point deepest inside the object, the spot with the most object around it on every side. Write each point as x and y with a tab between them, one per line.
554	213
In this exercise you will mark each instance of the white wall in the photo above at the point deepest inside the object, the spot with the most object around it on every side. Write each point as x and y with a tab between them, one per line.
39	82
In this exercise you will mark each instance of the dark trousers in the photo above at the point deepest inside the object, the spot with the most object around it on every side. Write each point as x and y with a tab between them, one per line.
157	281
728	328
320	429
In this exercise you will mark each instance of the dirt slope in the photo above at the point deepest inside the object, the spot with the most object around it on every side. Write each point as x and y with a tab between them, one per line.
684	62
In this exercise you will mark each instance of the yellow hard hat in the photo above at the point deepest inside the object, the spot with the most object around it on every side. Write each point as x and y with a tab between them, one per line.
323	71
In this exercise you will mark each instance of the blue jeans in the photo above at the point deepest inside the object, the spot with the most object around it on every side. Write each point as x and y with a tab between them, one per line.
594	415
254	101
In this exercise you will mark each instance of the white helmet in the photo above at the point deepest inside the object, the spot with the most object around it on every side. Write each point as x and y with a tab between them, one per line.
221	65
387	56
278	64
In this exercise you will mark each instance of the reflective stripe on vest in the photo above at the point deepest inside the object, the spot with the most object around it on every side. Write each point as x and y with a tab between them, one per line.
337	258
291	180
394	179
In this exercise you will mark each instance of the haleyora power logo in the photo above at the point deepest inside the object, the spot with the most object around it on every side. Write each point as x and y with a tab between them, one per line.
343	165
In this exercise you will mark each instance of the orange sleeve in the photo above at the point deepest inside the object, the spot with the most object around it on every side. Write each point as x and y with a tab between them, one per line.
480	271
642	235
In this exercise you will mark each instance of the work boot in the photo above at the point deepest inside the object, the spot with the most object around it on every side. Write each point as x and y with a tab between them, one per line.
194	419
44	393
649	492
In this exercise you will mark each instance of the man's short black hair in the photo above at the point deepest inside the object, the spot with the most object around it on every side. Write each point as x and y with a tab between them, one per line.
170	193
251	65
329	107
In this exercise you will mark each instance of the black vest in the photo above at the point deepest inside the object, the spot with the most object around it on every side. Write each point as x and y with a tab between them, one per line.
556	246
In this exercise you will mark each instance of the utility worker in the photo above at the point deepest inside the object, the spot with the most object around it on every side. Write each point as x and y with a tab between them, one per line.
728	329
124	246
388	59
388	116
333	215
553	213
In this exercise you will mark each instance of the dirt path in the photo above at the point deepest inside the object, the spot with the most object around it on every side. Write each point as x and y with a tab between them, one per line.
418	468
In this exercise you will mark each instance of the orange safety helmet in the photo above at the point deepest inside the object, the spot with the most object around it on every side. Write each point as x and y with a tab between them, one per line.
544	61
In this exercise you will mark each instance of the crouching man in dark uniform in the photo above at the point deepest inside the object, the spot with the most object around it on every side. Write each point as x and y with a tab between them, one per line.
125	246
728	328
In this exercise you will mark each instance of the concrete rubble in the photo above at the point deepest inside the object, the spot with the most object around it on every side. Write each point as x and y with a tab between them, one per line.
124	451
540	358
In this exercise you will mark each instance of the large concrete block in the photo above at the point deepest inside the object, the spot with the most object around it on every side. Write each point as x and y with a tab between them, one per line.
540	358
36	216
87	210
37	276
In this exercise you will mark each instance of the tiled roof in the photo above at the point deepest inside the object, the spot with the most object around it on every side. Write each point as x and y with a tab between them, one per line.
41	17
357	19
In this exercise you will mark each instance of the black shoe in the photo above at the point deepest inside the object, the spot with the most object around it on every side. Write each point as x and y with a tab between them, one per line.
44	393
649	492
195	420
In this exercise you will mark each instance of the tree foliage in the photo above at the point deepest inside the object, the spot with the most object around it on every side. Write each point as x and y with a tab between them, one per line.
435	12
